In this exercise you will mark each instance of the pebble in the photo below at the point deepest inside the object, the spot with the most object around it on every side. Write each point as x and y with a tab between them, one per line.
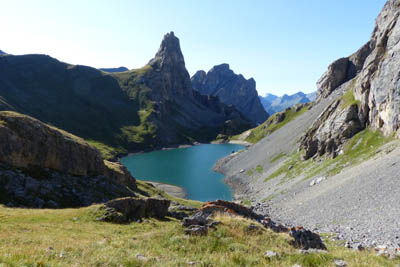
141	257
270	254
340	263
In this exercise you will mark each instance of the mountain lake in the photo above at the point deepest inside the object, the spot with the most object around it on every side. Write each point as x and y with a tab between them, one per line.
189	168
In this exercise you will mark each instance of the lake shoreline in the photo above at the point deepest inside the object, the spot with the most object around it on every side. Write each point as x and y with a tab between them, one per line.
149	168
170	189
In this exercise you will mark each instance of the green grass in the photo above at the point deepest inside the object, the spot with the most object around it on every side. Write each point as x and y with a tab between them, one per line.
278	157
269	127
250	172
246	202
107	152
259	169
359	148
270	197
348	99
71	237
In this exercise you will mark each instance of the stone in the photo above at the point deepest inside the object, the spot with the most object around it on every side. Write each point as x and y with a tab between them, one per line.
306	239
270	254
141	257
199	218
340	263
130	209
311	250
253	227
196	230
230	208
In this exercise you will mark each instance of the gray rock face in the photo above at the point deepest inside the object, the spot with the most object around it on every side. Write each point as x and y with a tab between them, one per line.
180	110
342	70
45	188
375	83
334	126
27	142
54	167
231	89
172	77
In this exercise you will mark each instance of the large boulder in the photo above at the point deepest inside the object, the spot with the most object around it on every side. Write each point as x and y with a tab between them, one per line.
124	210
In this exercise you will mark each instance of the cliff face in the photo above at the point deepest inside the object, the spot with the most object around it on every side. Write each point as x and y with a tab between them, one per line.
26	142
231	89
42	166
371	81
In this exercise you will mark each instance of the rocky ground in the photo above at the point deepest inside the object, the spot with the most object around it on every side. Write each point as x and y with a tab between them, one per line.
357	205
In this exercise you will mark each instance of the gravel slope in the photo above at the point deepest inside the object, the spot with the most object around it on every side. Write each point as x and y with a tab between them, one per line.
361	204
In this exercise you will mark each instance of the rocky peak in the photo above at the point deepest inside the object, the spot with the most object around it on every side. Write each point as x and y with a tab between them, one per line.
169	53
170	77
231	89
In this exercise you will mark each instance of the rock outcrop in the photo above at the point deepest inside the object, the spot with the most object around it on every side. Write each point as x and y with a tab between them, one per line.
231	89
124	210
42	166
27	143
370	77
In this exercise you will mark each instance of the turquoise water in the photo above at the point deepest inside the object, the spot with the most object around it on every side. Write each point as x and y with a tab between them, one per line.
190	168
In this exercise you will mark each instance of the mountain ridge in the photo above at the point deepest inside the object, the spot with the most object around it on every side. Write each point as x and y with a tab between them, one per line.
273	103
231	89
146	108
119	69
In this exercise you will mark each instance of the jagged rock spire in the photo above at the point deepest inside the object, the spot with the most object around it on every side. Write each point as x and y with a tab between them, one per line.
169	53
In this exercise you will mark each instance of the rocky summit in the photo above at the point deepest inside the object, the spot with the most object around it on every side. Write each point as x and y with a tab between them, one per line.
231	89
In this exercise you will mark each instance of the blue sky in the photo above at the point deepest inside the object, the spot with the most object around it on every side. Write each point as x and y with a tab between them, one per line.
285	45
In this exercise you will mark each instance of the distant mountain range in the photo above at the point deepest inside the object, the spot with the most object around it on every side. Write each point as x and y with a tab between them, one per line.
2	53
112	70
273	103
